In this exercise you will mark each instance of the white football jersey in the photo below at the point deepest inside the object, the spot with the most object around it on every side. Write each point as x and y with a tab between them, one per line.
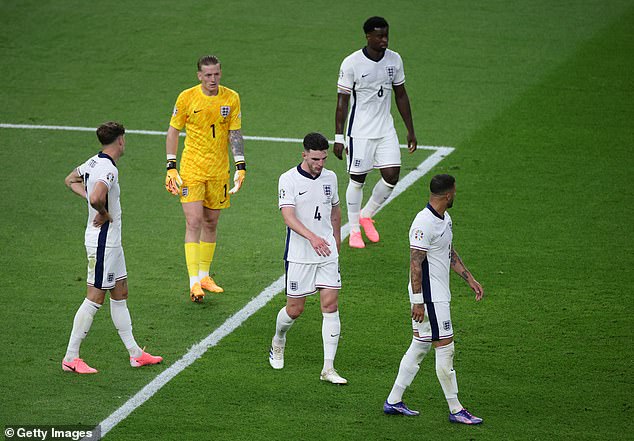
433	234
101	168
313	199
370	83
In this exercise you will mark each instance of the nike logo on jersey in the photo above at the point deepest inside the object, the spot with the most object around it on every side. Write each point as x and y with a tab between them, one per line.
364	75
303	192
196	111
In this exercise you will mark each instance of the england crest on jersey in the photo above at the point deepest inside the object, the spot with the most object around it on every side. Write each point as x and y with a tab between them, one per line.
327	190
390	70
224	111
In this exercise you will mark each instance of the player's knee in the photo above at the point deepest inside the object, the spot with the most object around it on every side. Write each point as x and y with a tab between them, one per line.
294	311
390	176
193	223
357	180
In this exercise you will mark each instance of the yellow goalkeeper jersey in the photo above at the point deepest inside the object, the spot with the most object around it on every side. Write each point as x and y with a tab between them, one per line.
207	121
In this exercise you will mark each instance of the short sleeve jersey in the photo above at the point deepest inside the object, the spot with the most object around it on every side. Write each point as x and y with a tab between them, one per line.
433	234
207	121
101	168
313	199
370	84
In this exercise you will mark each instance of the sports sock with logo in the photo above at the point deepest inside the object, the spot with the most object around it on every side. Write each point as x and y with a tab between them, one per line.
330	331
410	364
282	324
192	258
122	321
354	197
381	191
81	325
447	376
206	256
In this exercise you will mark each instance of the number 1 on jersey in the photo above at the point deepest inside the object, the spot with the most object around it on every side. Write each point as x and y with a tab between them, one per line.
317	213
213	130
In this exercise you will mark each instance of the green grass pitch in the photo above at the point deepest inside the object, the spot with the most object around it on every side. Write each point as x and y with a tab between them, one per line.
536	97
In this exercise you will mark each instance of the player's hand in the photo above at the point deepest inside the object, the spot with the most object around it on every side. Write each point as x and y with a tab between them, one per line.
173	181
338	149
411	142
101	219
477	288
320	245
238	179
418	312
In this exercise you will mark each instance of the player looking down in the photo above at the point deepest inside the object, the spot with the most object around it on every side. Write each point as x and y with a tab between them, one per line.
210	114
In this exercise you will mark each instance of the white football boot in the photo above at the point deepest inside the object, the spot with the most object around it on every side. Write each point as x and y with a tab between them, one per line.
333	377
276	356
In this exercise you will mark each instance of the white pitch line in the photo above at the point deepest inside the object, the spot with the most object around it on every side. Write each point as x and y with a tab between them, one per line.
258	302
156	132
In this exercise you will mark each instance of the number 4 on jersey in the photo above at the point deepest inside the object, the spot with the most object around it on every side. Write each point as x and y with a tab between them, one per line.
317	213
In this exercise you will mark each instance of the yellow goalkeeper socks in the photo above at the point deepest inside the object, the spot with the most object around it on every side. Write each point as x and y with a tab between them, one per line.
207	250
192	258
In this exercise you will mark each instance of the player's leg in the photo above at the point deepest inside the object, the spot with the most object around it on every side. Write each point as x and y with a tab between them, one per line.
123	323
442	331
193	211
328	281
208	249
408	368
360	156
300	283
285	319
95	295
81	325
216	199
387	157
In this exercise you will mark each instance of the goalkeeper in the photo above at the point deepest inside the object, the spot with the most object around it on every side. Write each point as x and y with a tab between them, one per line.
210	115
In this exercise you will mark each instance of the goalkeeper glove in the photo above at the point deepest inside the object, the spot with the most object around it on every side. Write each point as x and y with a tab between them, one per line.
173	180
238	177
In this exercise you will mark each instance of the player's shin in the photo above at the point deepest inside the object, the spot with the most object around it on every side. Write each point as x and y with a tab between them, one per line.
447	376
380	193
192	258
206	253
123	322
282	325
81	325
354	197
330	331
410	364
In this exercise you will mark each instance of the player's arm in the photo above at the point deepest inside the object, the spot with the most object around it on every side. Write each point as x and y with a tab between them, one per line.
75	182
416	259
343	100
319	244
461	269
404	108
173	180
236	141
98	199
335	220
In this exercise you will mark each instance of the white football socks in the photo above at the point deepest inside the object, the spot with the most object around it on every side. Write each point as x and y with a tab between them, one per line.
122	321
81	325
410	363
447	376
282	325
381	191
354	197
330	331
